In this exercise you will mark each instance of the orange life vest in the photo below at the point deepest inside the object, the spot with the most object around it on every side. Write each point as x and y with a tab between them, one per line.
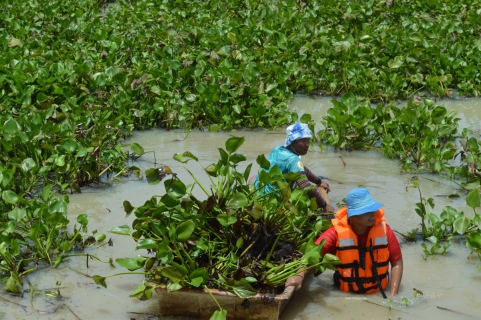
363	269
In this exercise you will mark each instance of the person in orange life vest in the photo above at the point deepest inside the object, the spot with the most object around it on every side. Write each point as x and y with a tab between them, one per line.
288	159
365	244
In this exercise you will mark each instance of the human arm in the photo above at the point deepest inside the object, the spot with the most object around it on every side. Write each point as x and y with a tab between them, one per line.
316	179
395	258
303	183
329	247
396	276
296	280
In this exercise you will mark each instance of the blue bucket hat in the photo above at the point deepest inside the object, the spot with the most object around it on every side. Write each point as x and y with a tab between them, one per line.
297	131
359	201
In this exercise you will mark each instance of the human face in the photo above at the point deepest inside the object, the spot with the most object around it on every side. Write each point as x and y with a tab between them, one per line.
301	146
363	220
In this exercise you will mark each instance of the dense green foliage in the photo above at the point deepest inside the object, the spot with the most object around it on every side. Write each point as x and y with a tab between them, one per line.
450	223
421	135
191	63
77	76
236	238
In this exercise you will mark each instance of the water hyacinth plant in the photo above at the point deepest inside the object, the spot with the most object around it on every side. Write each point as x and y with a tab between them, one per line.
33	233
237	239
76	77
450	224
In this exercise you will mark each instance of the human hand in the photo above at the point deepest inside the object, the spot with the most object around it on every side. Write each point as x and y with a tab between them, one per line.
325	185
328	208
295	281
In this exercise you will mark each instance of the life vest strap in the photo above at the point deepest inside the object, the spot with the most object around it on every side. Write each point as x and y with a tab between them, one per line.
361	289
382	246
362	280
355	264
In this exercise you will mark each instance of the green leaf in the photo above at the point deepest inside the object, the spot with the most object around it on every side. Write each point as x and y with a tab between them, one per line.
83	219
143	292
152	176
330	259
263	162
184	230
173	286
238	200
9	196
123	230
179	157
461	224
70	145
11	126
188	154
256	213
306	118
473	198
200	272
172	273
395	63
472	184
211	170
12	285
219	315
17	214
85	67
146	244
243	289
128	208
112	71
312	253
250	279
100	280
473	241
28	164
100	79
131	264
226	220
232	37
65	246
170	200
232	144
57	205
237	157
137	149
214	128
432	239
199	277
196	282
239	243
13	42
175	187
473	144
60	160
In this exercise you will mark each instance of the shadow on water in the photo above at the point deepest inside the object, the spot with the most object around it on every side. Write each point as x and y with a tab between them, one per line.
450	283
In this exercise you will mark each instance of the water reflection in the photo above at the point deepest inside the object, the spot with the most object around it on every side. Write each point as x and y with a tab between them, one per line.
450	284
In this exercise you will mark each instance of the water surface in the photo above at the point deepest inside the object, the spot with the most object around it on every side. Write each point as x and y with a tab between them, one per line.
450	283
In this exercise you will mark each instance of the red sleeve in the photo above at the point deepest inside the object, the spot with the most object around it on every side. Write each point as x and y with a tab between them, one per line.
331	238
393	246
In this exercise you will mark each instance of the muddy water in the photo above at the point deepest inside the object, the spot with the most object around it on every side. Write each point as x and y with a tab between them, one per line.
451	283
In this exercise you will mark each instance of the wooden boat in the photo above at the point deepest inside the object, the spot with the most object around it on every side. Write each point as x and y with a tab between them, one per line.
197	303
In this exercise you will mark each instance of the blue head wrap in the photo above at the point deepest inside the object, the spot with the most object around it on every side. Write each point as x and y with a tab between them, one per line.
360	201
297	131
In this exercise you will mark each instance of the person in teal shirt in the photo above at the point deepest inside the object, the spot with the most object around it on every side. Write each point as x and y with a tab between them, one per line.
288	159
